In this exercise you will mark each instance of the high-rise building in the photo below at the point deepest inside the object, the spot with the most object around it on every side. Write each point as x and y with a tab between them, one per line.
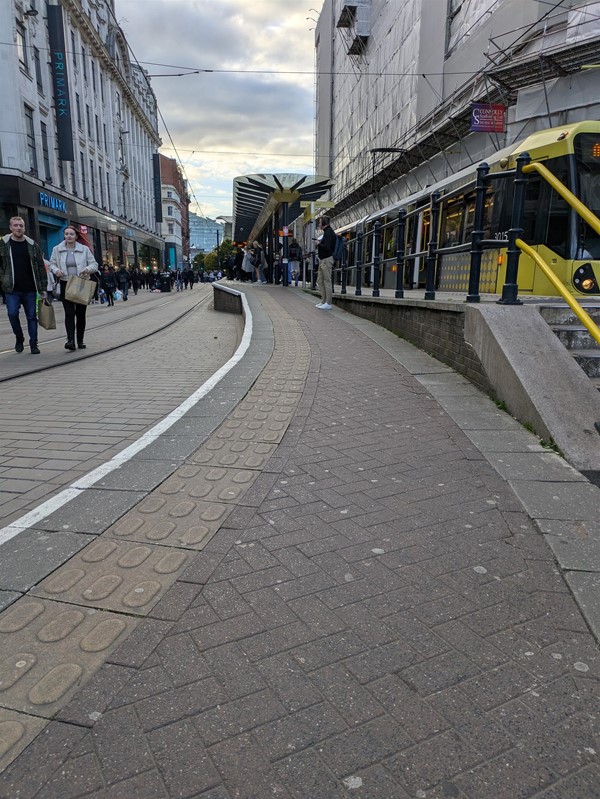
398	84
79	130
205	234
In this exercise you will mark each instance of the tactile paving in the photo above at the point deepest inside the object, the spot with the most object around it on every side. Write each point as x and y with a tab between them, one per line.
115	575
268	431
49	649
17	731
241	454
210	483
171	521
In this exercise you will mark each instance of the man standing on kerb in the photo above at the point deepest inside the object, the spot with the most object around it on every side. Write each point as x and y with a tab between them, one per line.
325	248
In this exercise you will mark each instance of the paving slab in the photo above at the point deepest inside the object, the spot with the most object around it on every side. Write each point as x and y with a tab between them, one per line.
93	511
17	731
7	598
570	501
50	649
540	467
138	475
32	555
172	521
232	453
575	555
209	483
115	576
586	589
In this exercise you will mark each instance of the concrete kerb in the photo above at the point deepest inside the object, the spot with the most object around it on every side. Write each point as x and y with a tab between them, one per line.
555	495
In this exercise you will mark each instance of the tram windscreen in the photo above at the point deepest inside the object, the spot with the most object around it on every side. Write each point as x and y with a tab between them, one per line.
587	159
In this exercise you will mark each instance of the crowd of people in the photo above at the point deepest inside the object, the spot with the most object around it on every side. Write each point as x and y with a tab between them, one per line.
25	276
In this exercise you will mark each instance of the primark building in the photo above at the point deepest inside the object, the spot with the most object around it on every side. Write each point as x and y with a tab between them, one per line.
79	134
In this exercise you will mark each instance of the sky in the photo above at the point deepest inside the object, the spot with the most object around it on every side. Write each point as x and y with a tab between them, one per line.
249	118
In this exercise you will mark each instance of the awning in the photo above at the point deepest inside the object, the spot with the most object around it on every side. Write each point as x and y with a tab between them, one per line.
257	197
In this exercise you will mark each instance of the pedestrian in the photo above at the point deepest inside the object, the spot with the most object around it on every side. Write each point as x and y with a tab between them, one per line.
247	266
22	275
259	261
123	281
135	280
237	264
295	258
325	248
179	279
72	257
109	284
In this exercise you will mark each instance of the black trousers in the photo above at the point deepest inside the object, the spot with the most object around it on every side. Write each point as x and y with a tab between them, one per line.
74	316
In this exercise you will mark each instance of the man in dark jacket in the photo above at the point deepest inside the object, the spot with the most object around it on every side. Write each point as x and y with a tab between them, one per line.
123	281
22	274
325	249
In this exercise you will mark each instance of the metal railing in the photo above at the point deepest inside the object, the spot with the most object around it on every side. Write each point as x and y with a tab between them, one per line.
353	274
577	309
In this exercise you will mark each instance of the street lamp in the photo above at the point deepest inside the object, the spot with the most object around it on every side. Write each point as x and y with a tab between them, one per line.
218	253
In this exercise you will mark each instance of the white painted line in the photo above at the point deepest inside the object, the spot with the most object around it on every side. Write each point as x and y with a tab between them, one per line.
88	480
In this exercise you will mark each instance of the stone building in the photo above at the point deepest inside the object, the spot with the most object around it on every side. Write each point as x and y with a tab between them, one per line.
79	130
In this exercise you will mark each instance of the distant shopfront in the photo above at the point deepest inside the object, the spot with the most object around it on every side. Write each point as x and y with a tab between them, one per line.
47	214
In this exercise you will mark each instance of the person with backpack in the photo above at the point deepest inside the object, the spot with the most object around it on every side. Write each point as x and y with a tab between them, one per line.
325	250
295	259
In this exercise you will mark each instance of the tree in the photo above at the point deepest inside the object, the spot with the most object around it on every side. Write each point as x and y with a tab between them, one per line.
198	262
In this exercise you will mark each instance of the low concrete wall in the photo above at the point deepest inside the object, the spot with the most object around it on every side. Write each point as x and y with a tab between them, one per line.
227	300
435	327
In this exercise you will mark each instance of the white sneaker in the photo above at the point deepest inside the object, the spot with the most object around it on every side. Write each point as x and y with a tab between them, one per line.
325	306
319	305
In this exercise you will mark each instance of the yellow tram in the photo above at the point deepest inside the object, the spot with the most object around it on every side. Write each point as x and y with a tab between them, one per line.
551	226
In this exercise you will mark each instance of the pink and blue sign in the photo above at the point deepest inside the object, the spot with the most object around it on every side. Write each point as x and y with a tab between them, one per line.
488	117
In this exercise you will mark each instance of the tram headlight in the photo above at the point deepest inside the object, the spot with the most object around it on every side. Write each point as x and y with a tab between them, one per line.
585	280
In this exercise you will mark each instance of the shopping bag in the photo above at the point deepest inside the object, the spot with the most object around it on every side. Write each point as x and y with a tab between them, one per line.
46	317
79	290
118	295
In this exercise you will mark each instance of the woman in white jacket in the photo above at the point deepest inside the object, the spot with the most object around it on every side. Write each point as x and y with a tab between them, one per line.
72	257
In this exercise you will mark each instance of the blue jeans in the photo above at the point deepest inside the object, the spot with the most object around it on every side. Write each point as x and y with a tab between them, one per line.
14	300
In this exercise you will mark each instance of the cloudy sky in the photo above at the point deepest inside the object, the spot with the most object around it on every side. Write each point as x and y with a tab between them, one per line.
256	114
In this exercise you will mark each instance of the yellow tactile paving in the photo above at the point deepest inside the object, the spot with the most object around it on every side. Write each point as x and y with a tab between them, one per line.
49	649
115	575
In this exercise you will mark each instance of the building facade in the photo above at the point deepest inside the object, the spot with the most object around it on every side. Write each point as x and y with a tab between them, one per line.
79	130
205	234
175	212
397	83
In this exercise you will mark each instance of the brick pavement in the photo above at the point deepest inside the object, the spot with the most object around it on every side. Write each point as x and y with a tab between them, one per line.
376	616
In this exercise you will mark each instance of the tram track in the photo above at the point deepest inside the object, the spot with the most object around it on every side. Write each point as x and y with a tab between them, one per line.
81	355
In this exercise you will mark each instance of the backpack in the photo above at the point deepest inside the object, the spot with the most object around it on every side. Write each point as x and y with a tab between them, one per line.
338	250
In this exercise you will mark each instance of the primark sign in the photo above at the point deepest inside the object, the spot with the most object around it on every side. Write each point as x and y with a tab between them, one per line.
60	82
49	201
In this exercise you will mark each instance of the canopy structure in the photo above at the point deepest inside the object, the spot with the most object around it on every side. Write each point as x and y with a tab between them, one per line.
256	198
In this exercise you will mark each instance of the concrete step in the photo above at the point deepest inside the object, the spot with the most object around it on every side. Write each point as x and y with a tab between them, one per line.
561	314
575	337
596	382
589	360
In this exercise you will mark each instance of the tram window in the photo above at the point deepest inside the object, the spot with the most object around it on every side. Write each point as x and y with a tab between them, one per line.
388	241
587	155
452	217
533	210
469	213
